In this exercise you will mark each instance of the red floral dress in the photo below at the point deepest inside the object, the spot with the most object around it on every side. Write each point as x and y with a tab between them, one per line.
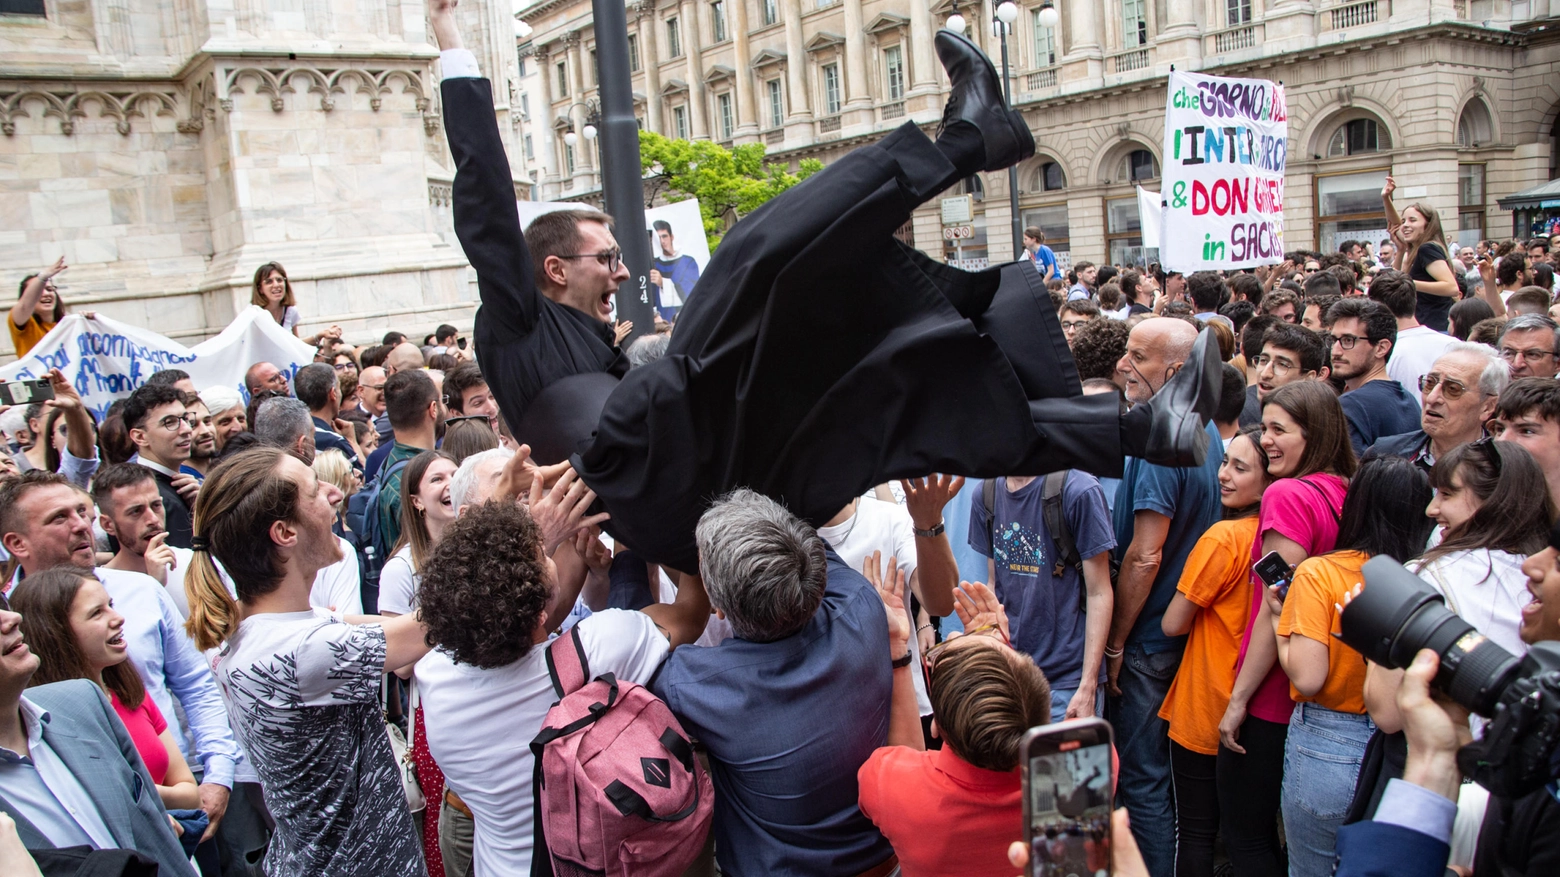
432	781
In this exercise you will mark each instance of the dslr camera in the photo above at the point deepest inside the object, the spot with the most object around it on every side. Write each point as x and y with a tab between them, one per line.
1397	614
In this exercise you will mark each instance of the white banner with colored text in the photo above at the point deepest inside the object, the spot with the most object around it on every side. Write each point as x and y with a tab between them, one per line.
105	359
1226	142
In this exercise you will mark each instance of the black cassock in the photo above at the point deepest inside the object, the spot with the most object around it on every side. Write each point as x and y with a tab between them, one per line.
819	355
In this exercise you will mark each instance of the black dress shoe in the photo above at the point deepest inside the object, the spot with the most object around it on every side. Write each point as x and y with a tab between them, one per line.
1180	411
977	99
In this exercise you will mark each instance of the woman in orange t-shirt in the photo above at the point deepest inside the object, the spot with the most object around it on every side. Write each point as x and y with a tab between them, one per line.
1383	514
38	307
1211	607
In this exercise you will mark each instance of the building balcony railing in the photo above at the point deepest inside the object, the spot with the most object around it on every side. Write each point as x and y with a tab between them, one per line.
1233	39
895	110
1040	80
829	125
1353	14
1126	62
775	137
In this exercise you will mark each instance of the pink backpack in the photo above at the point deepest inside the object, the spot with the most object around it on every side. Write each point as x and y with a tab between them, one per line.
618	791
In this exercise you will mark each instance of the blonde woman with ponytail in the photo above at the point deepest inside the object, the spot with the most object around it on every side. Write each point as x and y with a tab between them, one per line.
301	688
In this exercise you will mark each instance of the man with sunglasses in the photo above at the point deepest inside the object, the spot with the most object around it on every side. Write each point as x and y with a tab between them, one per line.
1361	334
1458	396
162	429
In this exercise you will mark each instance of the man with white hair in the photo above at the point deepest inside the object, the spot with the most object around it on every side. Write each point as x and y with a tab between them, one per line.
1458	396
226	408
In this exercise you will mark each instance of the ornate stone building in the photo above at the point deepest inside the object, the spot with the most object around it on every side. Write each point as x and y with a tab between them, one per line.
167	148
1456	98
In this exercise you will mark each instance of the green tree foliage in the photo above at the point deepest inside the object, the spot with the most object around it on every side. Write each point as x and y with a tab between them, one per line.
729	183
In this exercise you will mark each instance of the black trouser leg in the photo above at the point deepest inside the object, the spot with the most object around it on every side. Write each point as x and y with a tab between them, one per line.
1082	432
1196	810
1250	787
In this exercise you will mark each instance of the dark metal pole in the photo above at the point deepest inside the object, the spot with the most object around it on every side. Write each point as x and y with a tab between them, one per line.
1007	88
621	175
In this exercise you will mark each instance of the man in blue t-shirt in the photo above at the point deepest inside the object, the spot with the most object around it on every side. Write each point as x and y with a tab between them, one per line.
1044	599
794	703
1044	259
1160	513
1362	334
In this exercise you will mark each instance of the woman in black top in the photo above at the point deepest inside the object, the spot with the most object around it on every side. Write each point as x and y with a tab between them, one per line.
1422	254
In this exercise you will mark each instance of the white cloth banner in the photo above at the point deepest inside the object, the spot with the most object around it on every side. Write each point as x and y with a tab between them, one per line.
105	359
1226	141
1150	216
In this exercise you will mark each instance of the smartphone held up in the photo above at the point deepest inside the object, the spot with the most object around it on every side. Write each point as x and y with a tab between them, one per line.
1068	792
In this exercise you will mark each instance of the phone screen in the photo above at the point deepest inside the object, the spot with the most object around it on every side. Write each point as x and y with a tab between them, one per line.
1272	569
1069	810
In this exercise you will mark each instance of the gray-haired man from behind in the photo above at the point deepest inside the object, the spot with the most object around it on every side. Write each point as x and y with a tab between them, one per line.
810	636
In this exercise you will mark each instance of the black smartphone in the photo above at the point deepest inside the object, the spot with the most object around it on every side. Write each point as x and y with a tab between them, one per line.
1068	790
461	343
26	392
1274	570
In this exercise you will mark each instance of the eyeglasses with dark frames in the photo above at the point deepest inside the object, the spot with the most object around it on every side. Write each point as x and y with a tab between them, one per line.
611	258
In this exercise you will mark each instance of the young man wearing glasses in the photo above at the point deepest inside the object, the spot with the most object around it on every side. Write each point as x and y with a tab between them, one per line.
1362	334
1458	396
1528	344
1290	353
163	430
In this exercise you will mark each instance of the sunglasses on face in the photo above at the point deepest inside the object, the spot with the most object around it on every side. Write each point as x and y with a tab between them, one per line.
1450	388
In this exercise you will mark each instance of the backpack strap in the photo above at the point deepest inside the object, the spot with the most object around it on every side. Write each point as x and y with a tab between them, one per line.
988	496
1326	502
1056	523
630	803
567	666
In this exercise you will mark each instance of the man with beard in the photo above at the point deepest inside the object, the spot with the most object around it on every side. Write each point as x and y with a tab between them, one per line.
674	273
203	441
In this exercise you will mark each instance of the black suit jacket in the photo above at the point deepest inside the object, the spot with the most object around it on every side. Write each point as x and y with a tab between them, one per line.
178	519
525	341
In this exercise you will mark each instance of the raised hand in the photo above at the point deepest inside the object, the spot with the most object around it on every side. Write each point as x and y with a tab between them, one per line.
597	556
1389	188
621	331
890	585
65	396
925	498
560	512
977	606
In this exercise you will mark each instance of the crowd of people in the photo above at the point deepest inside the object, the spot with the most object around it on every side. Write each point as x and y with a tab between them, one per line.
314	626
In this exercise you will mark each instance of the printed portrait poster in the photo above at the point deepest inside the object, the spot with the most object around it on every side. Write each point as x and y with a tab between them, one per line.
678	253
678	248
1226	141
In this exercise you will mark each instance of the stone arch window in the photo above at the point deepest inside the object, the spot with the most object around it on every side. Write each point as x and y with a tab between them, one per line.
1138	165
1475	127
1359	136
1050	177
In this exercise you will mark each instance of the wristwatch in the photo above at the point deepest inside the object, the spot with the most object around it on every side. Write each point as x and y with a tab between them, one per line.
902	661
932	533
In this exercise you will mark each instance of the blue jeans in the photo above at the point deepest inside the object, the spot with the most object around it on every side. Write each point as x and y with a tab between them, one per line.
1321	766
1143	743
1061	697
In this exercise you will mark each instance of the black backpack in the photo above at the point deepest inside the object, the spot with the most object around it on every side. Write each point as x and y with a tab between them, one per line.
1051	489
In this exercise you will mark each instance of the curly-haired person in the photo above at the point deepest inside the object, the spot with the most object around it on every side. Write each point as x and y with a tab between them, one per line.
490	593
1097	346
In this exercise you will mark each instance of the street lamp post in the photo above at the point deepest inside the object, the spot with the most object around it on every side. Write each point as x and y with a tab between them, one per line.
1007	13
622	177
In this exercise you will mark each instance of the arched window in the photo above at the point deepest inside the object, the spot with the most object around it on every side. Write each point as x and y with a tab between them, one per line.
1050	178
1474	126
1358	137
1140	165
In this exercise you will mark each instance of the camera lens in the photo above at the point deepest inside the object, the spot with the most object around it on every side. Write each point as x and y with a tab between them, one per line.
1397	614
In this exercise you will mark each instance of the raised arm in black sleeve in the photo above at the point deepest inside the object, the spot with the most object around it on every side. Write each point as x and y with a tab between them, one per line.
525	341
